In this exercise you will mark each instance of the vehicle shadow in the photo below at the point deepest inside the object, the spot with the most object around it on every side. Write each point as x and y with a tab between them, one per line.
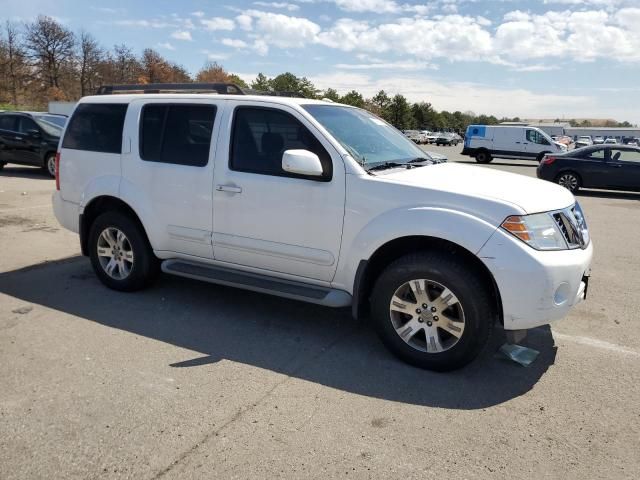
309	342
34	173
609	194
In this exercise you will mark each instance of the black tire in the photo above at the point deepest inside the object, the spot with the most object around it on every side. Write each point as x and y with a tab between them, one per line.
564	180
483	157
470	289
50	158
2	164
145	267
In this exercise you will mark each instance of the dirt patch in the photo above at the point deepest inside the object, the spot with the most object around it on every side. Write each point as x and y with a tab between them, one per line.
15	220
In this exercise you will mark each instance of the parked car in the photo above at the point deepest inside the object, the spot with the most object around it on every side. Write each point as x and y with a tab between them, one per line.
583	141
634	142
27	139
598	140
486	142
431	137
415	136
562	139
323	203
598	166
447	138
610	141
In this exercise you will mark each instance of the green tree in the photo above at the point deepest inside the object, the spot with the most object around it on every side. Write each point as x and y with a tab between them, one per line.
353	98
400	114
261	83
331	94
288	82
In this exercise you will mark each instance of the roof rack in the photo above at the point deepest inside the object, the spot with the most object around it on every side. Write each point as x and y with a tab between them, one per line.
251	91
220	88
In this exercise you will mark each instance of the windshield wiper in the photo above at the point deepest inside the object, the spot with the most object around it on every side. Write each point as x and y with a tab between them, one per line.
420	160
385	166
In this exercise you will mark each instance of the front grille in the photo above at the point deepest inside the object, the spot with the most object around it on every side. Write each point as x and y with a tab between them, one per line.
572	226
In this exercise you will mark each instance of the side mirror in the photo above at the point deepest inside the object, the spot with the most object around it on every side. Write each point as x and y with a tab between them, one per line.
302	162
33	133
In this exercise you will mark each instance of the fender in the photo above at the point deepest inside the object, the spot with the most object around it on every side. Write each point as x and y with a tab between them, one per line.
454	226
140	203
106	185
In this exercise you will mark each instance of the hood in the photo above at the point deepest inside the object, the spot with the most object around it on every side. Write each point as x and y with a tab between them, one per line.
437	156
530	194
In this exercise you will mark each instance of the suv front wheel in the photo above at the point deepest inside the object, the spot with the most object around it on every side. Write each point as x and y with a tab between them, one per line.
120	253
433	311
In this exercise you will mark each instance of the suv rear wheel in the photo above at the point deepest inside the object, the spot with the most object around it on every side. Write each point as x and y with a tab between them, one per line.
433	311
120	253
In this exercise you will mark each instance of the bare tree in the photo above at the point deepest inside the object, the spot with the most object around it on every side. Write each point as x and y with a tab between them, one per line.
50	45
90	58
125	65
15	64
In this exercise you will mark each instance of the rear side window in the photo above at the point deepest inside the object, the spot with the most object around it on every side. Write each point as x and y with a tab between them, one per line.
96	128
8	122
260	137
179	134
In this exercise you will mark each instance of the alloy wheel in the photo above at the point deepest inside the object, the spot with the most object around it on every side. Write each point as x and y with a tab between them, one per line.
115	253
427	315
568	181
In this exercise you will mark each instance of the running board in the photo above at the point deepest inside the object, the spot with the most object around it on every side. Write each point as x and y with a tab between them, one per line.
258	283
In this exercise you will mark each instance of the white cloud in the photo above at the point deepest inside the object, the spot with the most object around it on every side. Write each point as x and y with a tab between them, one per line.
379	65
245	22
282	5
151	23
182	35
166	46
283	31
380	6
214	56
218	23
198	14
234	43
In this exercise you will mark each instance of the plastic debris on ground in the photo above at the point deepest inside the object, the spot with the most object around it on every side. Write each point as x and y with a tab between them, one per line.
524	356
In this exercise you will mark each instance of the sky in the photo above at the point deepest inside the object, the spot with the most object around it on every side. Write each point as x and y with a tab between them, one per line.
527	58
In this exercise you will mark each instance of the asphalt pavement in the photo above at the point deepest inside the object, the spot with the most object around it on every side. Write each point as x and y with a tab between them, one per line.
190	380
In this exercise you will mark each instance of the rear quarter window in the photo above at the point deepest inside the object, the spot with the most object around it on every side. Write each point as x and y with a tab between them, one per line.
96	128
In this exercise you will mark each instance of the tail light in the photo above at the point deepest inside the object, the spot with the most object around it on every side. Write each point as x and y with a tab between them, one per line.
548	160
58	171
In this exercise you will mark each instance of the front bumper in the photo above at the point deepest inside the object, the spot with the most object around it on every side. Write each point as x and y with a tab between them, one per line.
536	287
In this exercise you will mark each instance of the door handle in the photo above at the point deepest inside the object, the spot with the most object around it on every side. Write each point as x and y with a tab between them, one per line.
517	142
17	138
616	165
228	188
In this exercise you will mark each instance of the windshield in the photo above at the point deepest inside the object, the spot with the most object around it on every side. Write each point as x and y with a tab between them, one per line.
49	127
369	139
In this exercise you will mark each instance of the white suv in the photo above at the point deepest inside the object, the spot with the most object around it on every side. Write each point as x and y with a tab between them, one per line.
319	202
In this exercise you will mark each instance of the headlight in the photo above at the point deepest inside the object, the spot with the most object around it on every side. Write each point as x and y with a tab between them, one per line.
539	231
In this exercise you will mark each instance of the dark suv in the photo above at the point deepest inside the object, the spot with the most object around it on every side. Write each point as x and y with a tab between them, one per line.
29	138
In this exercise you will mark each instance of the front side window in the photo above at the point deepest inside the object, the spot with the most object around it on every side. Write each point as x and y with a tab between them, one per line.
26	124
260	137
178	133
536	137
96	128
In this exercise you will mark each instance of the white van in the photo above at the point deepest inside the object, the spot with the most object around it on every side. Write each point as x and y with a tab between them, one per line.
486	142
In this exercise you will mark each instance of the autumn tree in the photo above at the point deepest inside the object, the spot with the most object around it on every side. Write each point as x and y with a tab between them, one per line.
125	66
51	48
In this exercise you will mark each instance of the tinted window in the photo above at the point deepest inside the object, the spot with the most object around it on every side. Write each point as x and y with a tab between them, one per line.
25	124
536	137
261	136
178	134
8	122
595	154
625	155
96	128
